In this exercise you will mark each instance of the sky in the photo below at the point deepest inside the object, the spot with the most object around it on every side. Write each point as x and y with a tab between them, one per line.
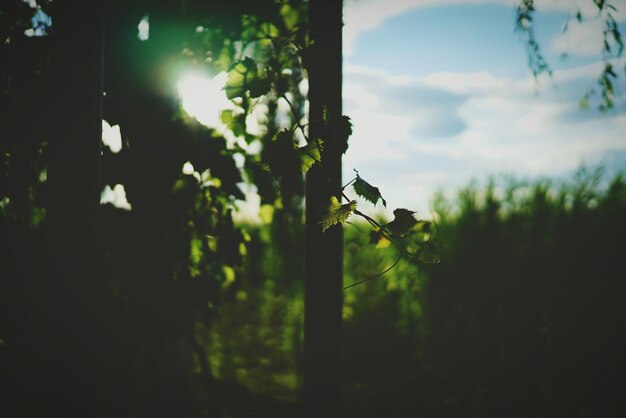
440	93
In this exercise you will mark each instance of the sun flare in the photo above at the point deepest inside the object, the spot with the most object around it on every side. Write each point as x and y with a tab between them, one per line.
204	98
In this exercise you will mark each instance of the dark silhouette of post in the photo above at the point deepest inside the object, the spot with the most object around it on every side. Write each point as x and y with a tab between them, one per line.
324	251
73	344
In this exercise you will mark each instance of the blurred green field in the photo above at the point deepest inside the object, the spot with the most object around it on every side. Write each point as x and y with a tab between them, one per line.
522	317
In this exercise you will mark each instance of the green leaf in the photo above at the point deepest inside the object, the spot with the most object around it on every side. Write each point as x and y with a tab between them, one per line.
337	213
249	64
229	276
378	238
367	191
375	235
290	16
384	242
403	221
259	87
227	117
309	155
280	155
269	30
242	78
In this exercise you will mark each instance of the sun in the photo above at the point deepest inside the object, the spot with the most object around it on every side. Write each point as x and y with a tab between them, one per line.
203	97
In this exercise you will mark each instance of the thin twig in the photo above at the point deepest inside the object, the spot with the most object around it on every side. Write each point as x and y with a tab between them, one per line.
296	118
376	276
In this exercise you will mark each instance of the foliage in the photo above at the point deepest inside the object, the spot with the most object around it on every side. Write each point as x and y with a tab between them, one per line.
525	319
612	48
337	213
529	312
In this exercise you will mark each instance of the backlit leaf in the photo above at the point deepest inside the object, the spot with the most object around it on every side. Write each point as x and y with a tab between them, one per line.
378	238
242	77
375	235
280	155
259	87
341	130
337	213
269	30
367	191
309	155
403	221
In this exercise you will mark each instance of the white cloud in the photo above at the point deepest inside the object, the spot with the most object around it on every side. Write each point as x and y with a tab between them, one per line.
360	95
506	126
393	108
465	83
580	39
376	135
587	7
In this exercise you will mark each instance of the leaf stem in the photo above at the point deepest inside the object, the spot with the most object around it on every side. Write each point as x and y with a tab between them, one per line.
375	276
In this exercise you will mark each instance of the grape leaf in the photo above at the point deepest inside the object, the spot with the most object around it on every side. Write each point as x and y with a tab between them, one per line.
384	242
337	213
280	155
341	130
367	191
259	87
269	30
378	238
403	221
236	84
375	235
244	76
309	155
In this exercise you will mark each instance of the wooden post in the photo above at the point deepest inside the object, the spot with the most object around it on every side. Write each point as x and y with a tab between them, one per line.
324	251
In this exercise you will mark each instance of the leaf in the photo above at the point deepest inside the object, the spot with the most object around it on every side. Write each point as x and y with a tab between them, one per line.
242	77
249	64
378	238
375	235
309	155
235	85
337	213
280	155
290	16
367	191
341	130
269	30
259	87
403	221
228	273
227	117
383	243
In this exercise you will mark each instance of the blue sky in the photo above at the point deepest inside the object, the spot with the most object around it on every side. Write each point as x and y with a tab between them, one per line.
440	93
